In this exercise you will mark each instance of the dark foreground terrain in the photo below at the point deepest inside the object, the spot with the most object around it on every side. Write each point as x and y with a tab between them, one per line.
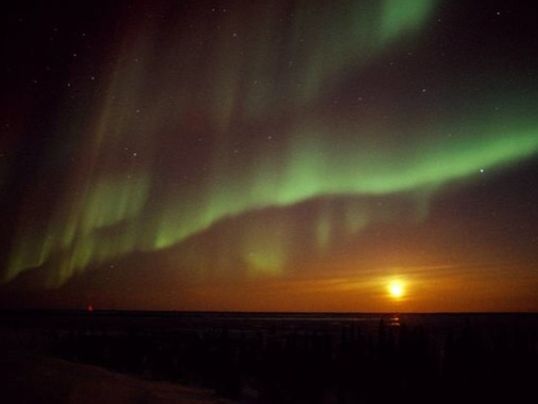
267	358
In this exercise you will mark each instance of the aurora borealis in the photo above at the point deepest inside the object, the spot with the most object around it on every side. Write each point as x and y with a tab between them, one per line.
286	155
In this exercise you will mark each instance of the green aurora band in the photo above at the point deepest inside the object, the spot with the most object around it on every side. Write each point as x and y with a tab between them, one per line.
134	186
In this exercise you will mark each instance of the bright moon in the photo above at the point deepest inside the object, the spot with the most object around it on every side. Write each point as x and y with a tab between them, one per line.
396	289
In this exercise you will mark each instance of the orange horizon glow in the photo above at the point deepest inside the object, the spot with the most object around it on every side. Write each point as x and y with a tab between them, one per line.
413	290
423	289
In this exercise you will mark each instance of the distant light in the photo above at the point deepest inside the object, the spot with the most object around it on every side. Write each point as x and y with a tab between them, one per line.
90	308
482	170
396	289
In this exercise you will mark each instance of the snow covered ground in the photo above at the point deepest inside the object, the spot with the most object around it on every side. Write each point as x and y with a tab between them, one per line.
31	378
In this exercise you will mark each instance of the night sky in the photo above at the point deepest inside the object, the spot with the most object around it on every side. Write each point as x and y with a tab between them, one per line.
269	155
